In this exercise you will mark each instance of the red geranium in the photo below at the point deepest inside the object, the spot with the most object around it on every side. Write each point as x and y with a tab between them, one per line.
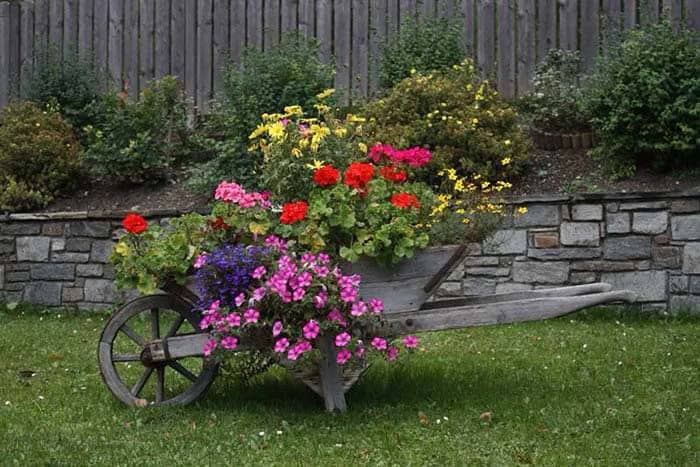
393	174
134	223
294	212
358	175
326	176
219	224
405	201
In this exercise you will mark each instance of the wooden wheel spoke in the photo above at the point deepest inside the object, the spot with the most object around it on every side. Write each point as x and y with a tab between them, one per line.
155	323
126	357
160	384
183	371
176	326
138	387
132	335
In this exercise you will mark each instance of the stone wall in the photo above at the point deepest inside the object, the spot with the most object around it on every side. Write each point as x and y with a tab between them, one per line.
648	243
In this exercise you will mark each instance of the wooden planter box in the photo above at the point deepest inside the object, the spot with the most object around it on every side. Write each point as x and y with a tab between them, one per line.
554	141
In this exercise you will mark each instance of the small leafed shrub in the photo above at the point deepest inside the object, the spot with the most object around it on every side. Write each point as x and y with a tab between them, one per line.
39	157
645	101
434	44
462	120
140	140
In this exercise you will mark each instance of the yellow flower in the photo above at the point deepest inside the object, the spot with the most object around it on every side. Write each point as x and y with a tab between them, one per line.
522	210
355	118
485	185
322	108
460	211
326	93
507	142
475	120
413	71
122	249
296	152
506	161
293	110
259	130
340	132
316	165
363	147
276	130
466	220
459	185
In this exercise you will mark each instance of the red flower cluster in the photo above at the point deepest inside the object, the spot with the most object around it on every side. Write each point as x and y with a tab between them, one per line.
326	176
219	224
405	201
134	223
358	175
393	173
294	212
415	156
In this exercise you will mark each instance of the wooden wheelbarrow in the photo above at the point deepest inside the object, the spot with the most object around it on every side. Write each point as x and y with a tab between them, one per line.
160	332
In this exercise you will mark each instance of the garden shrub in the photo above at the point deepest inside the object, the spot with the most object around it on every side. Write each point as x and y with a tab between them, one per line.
645	101
556	101
435	44
40	157
141	140
265	82
462	120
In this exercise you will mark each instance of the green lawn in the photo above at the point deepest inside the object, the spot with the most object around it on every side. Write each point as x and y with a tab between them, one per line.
599	389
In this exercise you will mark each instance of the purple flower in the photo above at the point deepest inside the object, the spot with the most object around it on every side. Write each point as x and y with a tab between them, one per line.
348	294
240	298
311	330
410	342
229	342
251	315
342	339
209	347
258	294
298	294
360	353
323	258
343	357
276	328
258	272
377	305
337	317
358	309
392	353
378	343
320	299
233	320
281	345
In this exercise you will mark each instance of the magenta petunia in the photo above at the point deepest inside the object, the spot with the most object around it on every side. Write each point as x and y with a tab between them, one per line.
376	305
342	339
391	353
281	345
240	298
233	319
358	309
229	342
343	356
251	315
378	343
410	342
311	330
259	272
209	347
277	328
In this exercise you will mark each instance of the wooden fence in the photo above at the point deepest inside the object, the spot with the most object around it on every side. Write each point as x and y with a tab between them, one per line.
135	41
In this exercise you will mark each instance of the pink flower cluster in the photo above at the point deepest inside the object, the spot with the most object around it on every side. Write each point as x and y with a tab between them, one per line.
414	157
234	193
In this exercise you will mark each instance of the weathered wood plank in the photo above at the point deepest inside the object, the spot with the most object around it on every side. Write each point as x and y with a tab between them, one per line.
692	14
100	39
630	13
221	40
254	25
307	18
331	376
506	48
85	20
162	38
237	24
427	8
526	45
70	27
377	38
41	26
407	10
447	8
568	24
288	15
116	42
546	27
612	20
360	50
5	42
486	42
15	71
56	24
393	17
26	40
673	9
271	36
177	39
589	34
341	47
191	50
324	28
470	26
146	43
131	48
650	11
205	29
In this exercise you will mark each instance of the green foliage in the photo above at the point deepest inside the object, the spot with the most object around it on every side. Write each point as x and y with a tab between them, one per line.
433	44
39	157
287	74
141	140
645	101
71	85
462	120
556	101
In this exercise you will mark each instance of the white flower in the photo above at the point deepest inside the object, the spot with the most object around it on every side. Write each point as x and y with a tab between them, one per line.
279	432
41	398
262	433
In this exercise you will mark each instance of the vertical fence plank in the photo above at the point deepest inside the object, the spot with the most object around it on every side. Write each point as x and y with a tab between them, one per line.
56	24
506	48
254	24
470	29
630	13
589	34
307	18
526	44
85	19
485	20
546	27
5	43
393	17
26	40
360	48
427	8
99	35
692	14
162	38
14	49
146	42
237	35
407	10
41	26
204	53
70	27
131	48
288	15
568	24
650	11
672	9
177	39
221	40
612	20
191	50
341	45
324	28
272	23
377	38
116	42
447	9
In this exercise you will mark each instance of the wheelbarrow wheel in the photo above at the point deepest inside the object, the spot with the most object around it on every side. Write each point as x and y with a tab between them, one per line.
130	377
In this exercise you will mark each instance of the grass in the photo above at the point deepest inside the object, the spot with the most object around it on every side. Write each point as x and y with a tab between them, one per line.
602	388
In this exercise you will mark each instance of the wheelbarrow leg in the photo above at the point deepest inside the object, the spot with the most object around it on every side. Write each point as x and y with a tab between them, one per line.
331	377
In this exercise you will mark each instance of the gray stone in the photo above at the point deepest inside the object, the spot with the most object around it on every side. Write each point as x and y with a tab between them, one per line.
53	229
478	286
650	222
108	271
7	246
644	265
473	249
19	228
556	272
683	206
545	240
565	213
646	205
89	270
685	303
58	244
43	293
53	271
603	266
456	275
95	229
580	233
650	286
678	284
691	258
587	212
564	253
666	257
2	276
69	257
18	276
475	261
629	247
618	222
100	290
612	207
663	239
79	244
506	242
695	285
449	289
582	277
72	294
33	248
538	214
508	287
488	271
101	250
685	227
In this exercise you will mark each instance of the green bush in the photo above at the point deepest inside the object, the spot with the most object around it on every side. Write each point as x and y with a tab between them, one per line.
556	101
462	120
435	44
71	85
39	157
290	73
645	101
141	140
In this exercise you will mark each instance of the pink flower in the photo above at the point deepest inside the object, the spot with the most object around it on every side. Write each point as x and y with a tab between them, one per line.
251	315
277	328
378	343
320	299
410	342
348	294
274	241
342	339
360	353
231	192
298	294
214	307
209	347
229	342
308	258
199	262
392	353
311	330
239	299
299	349
358	309
233	319
343	357
281	345
321	271
258	294
337	317
377	305
323	258
259	272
